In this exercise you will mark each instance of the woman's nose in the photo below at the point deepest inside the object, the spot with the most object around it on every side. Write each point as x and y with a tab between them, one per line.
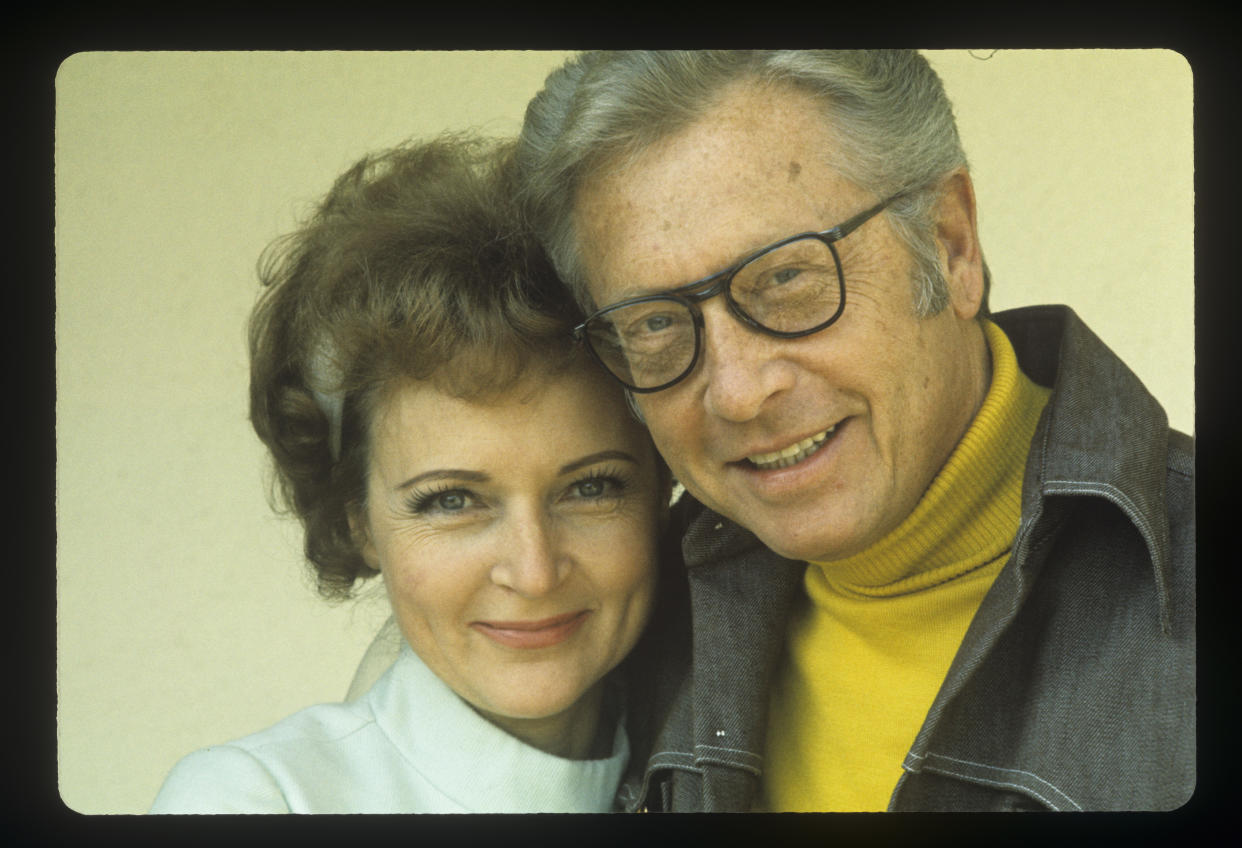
529	560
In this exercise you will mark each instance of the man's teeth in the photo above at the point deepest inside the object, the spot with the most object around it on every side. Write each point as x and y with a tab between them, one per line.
794	453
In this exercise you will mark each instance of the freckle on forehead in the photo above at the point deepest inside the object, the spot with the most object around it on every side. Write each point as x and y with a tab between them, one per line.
794	169
668	225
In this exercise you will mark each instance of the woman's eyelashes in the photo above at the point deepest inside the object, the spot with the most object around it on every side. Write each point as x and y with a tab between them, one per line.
444	500
598	487
603	485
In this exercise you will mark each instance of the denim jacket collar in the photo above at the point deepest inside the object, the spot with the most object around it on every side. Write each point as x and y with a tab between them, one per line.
1101	435
1110	444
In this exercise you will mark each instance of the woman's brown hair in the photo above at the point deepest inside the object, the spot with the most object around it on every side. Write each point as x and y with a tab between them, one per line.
415	265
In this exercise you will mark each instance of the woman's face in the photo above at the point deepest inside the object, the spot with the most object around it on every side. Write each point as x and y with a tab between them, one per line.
517	538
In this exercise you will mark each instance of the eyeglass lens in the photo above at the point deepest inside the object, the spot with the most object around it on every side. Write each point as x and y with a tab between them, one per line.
788	289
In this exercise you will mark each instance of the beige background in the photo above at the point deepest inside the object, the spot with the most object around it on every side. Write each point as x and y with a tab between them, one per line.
185	616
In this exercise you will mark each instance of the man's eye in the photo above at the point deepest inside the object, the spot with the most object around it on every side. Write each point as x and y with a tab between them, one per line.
648	325
776	277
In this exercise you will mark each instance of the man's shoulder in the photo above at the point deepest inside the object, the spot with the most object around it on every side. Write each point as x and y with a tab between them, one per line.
1181	458
709	538
1101	419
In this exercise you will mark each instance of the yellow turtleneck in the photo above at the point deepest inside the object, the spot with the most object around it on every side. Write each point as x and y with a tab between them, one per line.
873	637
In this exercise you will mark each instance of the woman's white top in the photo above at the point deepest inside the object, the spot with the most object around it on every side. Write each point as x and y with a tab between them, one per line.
409	745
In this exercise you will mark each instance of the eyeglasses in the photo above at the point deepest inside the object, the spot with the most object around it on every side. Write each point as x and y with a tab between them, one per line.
792	288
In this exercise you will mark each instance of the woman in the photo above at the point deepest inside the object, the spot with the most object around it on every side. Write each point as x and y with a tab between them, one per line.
430	422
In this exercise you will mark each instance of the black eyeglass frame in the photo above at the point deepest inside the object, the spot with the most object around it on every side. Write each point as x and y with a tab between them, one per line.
692	294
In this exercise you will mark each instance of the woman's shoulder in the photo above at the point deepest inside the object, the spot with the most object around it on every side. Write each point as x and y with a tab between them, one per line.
261	772
220	779
321	724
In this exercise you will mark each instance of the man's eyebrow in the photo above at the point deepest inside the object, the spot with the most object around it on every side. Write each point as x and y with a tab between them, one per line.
738	259
462	474
591	459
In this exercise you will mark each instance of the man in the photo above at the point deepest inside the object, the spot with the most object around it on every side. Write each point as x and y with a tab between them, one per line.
936	559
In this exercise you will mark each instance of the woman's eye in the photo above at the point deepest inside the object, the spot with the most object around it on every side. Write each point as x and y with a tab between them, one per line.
597	488
452	500
591	488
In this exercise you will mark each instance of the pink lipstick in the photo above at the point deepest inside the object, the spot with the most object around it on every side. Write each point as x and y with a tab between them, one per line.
543	633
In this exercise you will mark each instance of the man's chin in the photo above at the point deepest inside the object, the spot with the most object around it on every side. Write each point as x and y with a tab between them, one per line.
810	547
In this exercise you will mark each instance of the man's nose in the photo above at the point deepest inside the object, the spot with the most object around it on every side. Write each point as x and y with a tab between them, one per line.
529	560
742	367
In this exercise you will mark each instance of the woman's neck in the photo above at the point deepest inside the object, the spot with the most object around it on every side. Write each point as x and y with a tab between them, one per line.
576	733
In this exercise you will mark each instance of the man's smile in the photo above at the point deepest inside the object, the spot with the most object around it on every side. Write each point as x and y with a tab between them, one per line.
792	454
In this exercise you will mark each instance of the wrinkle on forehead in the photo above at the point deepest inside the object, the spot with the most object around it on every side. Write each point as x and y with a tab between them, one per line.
714	176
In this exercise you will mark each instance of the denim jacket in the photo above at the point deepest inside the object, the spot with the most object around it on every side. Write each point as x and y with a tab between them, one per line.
1074	687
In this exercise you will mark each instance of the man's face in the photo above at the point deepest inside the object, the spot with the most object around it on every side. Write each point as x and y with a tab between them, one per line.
884	394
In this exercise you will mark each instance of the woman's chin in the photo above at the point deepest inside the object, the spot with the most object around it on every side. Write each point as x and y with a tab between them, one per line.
559	723
540	707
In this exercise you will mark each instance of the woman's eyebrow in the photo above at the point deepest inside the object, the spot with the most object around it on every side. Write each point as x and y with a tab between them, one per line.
597	457
445	474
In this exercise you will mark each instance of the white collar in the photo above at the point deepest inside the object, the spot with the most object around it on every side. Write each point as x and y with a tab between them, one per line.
478	765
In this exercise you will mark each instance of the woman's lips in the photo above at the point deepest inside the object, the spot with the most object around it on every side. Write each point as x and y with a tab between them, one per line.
532	634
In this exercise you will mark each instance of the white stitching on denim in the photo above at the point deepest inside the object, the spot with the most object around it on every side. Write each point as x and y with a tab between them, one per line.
1097	487
1132	512
998	783
1066	798
681	761
750	755
1121	499
704	753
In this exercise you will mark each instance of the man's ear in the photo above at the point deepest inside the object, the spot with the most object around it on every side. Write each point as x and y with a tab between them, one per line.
632	402
957	241
666	484
666	504
361	534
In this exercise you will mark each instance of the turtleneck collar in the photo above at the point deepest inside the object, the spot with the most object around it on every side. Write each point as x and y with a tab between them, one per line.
476	764
969	514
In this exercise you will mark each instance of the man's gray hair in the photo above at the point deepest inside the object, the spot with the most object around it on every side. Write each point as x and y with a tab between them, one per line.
886	111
